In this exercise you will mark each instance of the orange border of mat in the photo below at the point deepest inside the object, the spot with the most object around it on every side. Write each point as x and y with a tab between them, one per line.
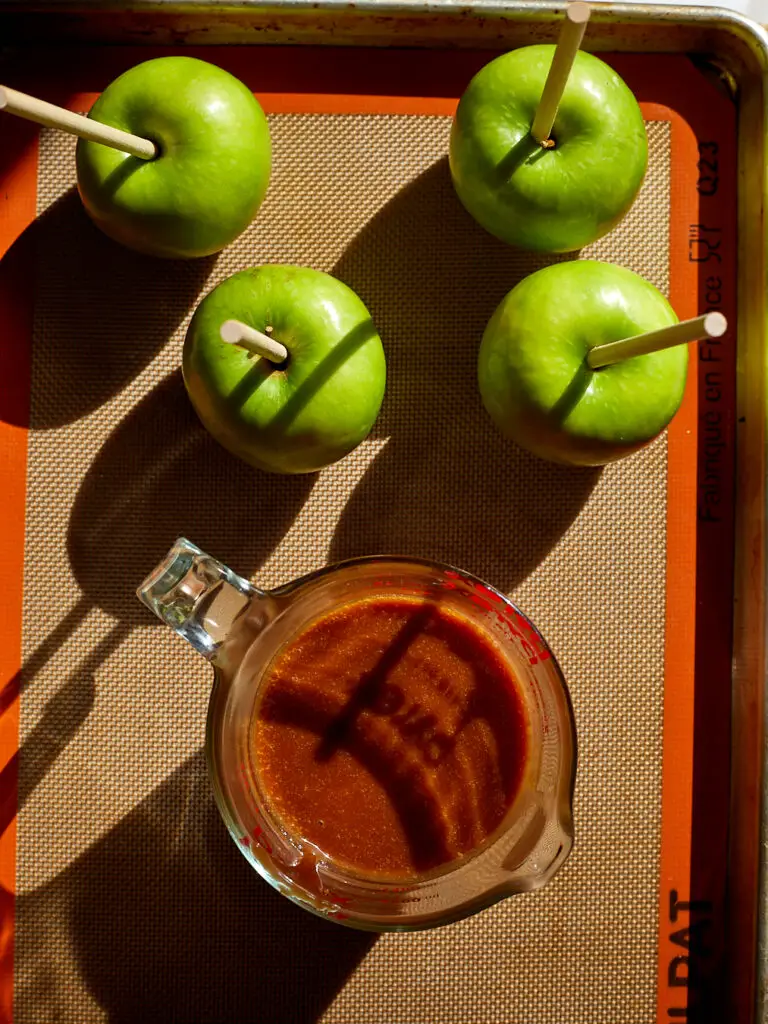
18	187
699	616
420	74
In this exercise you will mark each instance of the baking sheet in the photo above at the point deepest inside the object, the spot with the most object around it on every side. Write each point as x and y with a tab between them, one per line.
118	466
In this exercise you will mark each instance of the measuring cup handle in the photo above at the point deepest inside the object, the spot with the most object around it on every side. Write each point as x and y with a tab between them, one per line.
196	596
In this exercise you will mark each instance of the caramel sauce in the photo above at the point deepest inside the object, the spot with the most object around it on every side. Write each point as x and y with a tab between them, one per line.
392	735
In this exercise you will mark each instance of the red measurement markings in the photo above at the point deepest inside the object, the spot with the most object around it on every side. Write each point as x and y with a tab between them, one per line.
257	834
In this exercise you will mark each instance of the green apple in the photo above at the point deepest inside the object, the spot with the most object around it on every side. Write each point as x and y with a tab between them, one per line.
313	409
212	169
554	199
533	375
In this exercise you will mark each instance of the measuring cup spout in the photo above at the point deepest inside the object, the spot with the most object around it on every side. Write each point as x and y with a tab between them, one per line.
196	596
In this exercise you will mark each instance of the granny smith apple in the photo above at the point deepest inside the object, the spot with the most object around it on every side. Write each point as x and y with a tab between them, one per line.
555	199
212	169
302	415
533	375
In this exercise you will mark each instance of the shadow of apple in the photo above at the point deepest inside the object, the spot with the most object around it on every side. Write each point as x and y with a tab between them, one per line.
447	485
101	314
158	476
163	920
61	719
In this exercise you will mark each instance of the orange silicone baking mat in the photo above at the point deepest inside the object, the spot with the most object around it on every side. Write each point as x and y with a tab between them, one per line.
123	898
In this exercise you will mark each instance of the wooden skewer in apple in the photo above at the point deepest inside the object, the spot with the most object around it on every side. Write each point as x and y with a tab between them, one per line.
173	159
51	116
235	332
585	362
710	325
548	147
568	45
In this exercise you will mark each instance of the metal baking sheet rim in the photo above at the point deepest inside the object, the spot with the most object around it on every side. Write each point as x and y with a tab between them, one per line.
738	48
622	26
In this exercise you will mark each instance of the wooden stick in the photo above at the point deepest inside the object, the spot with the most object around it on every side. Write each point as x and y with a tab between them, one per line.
571	35
711	325
33	109
235	332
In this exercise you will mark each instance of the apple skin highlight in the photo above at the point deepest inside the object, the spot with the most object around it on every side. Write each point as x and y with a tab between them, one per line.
548	200
532	372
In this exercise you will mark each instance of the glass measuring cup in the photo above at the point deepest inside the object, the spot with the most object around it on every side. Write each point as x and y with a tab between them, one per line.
240	630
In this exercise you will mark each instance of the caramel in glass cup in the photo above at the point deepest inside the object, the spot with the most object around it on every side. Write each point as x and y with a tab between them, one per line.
252	637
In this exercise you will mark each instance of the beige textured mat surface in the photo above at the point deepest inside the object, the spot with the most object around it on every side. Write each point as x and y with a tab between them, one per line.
134	904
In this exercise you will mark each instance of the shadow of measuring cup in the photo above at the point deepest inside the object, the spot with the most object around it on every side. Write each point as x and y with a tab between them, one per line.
162	920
